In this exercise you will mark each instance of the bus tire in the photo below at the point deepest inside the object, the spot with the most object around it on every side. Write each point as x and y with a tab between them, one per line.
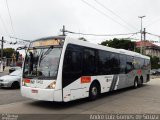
141	81
15	85
135	83
94	91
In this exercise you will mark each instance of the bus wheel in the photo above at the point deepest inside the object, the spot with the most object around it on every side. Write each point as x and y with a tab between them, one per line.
141	81
15	85
135	83
93	91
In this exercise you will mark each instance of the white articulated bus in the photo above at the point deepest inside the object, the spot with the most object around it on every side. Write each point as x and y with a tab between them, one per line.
64	69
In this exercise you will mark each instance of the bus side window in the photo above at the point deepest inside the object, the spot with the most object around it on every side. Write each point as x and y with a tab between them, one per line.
130	65
147	64
89	62
103	62
72	66
136	63
114	63
122	63
141	63
72	61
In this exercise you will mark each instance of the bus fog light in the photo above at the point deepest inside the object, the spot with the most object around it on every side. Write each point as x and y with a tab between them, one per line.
52	85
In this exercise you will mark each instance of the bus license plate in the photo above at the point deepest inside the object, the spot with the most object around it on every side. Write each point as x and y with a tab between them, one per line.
34	91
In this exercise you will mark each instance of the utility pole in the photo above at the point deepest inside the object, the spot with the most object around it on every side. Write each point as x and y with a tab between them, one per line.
144	34
63	31
141	51
1	64
2	41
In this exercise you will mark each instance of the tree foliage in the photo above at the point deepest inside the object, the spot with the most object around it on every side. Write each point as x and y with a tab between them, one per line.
155	62
7	52
119	43
129	45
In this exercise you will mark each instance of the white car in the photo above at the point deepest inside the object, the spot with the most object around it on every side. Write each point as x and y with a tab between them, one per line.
12	69
12	80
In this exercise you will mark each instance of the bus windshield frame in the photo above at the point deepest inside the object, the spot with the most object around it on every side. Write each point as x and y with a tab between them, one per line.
42	62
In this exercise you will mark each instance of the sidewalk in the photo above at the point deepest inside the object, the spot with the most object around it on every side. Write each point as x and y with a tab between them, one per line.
6	71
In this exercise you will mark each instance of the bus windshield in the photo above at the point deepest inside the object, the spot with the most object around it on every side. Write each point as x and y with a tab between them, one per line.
42	63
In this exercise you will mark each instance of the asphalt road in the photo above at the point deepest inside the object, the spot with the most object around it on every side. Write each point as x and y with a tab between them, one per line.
145	99
4	73
8	96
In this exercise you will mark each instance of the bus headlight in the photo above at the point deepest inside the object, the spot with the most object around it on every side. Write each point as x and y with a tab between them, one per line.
52	85
25	82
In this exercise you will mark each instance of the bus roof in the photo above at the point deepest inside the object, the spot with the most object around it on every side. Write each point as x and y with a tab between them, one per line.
48	41
106	48
50	37
91	45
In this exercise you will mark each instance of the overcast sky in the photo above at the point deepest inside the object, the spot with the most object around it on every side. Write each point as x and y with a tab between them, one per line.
34	19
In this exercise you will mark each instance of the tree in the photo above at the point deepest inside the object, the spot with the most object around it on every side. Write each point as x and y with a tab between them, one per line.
129	45
155	62
8	52
120	44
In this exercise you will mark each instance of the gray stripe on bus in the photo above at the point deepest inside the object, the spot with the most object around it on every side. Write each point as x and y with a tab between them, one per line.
114	81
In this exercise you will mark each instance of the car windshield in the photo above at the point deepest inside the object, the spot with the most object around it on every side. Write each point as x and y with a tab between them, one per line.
42	63
16	73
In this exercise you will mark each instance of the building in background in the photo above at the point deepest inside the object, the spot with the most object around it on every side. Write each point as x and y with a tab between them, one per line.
149	48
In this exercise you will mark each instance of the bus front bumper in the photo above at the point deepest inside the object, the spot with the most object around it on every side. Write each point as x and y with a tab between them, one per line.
41	94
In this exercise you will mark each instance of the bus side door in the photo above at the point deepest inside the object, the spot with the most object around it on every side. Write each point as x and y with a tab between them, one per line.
72	72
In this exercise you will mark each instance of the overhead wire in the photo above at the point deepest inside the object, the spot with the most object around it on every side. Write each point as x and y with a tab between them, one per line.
133	39
12	27
11	22
108	9
1	29
104	14
14	43
156	21
133	35
153	34
20	39
99	34
5	29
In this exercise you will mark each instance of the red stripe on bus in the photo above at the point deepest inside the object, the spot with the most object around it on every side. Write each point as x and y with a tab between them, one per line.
139	72
85	79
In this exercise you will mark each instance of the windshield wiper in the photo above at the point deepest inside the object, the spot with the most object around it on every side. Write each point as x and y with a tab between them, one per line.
47	52
43	55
